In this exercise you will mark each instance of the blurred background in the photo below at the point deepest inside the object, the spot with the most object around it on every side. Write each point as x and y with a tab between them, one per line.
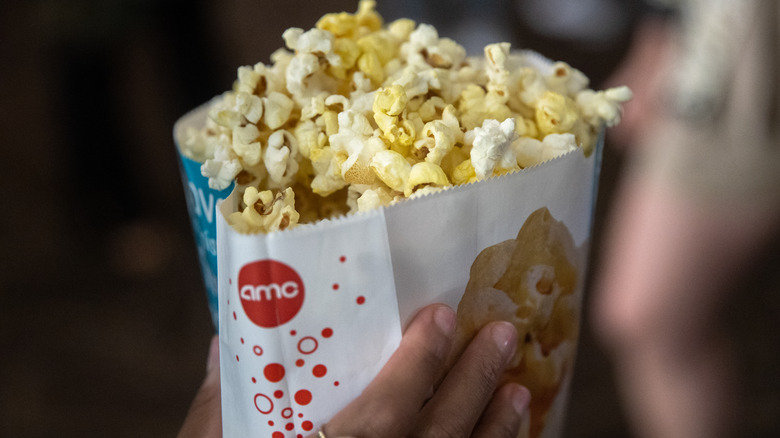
104	326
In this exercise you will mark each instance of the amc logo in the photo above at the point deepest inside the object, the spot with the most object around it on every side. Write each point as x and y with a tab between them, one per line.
271	292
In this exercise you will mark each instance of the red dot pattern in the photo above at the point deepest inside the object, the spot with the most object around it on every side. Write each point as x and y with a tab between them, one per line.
276	373
303	397
319	370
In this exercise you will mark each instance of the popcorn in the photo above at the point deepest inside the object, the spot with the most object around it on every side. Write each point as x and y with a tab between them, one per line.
278	108
387	112
317	42
327	169
250	106
265	211
530	151
492	149
425	175
498	75
603	106
464	173
439	137
199	147
389	103
245	144
425	49
476	106
555	113
566	80
222	169
280	158
373	198
391	168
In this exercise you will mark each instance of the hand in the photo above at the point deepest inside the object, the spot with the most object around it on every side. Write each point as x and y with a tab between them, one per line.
404	400
205	416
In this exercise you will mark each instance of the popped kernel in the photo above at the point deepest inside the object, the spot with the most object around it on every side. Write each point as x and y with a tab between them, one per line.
391	168
388	112
280	158
245	144
342	24
250	106
603	106
439	137
222	168
425	174
530	151
401	28
198	145
375	197
425	49
464	173
265	212
327	171
498	75
278	108
491	148
555	113
566	80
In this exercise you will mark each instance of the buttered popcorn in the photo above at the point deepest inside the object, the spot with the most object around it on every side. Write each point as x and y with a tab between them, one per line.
355	114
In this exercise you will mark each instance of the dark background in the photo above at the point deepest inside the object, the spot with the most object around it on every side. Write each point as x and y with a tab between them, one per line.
103	319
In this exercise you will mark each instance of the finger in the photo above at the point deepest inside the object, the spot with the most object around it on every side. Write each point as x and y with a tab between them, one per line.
468	387
204	418
504	414
390	404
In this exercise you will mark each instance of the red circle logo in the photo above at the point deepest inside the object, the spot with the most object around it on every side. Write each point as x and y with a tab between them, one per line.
271	292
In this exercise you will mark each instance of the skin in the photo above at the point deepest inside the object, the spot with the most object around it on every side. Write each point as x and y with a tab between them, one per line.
414	394
671	259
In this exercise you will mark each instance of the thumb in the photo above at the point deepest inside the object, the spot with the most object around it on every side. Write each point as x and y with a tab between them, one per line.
212	363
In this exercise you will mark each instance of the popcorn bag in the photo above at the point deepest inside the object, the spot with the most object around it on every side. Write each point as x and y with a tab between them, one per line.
371	170
308	316
201	204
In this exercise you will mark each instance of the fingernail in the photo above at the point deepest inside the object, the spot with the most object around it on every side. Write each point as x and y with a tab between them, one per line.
445	319
504	335
521	397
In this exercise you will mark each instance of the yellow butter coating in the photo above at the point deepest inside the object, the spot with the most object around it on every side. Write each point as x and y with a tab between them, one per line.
425	174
